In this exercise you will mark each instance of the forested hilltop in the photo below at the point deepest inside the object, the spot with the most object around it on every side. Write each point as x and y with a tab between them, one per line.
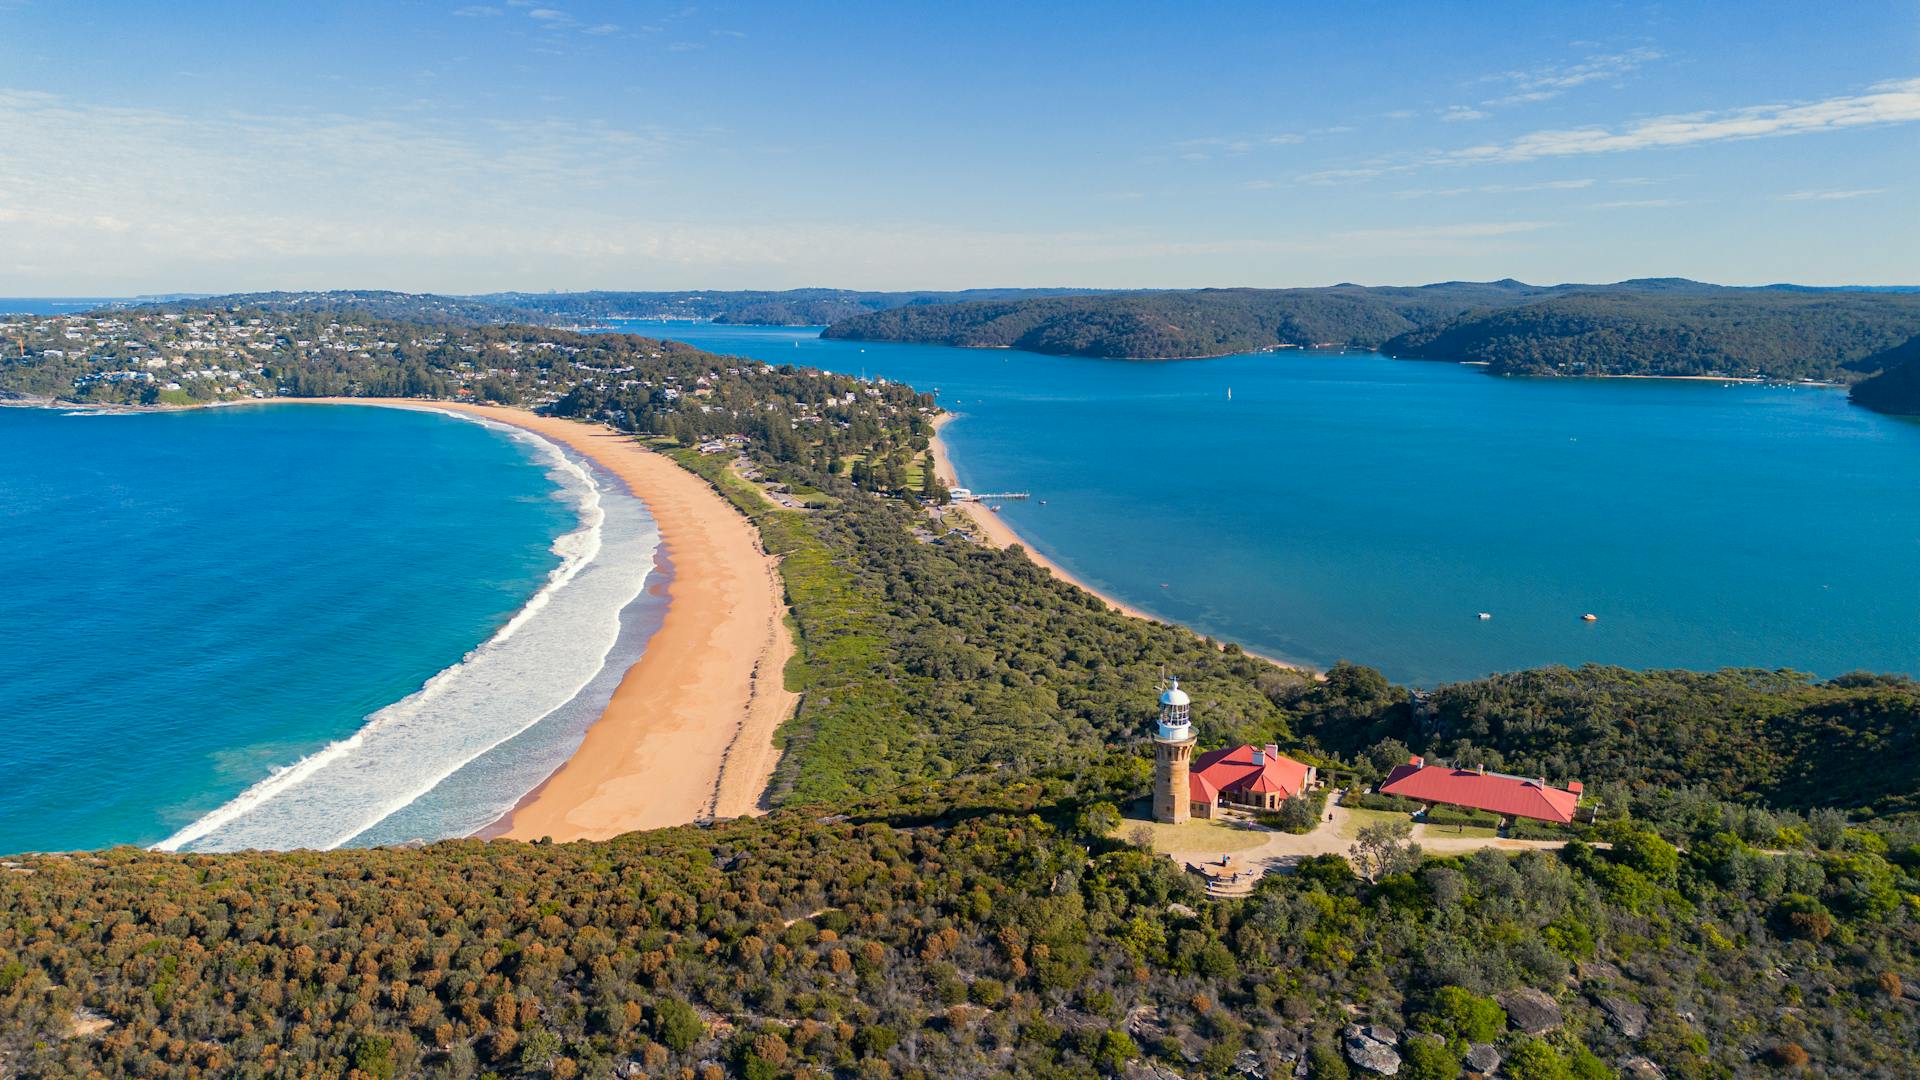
791	307
940	890
1775	334
1173	324
1658	326
1896	387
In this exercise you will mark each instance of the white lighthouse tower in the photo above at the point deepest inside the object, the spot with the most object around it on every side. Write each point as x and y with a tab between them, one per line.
1172	753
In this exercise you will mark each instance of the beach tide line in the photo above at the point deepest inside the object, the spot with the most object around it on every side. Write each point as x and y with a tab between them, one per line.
492	694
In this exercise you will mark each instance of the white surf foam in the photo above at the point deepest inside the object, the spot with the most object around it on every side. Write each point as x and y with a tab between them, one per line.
541	658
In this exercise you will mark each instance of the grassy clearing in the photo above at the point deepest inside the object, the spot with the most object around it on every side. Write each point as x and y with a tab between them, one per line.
1357	819
916	468
1199	837
1453	832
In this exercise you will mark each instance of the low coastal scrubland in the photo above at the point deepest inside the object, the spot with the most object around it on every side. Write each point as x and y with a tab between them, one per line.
938	891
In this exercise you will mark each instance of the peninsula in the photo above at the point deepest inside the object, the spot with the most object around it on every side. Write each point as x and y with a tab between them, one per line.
958	875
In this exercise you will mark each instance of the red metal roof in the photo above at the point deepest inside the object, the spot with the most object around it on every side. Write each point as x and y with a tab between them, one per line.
1198	790
1233	769
1511	796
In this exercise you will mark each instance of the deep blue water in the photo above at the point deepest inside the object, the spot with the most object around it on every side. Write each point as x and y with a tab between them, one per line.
192	600
49	305
1356	507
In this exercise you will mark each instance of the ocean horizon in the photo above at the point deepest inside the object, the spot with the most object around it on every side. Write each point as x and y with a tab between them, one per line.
297	626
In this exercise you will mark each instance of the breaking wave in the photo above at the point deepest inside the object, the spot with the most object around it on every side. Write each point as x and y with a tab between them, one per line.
544	657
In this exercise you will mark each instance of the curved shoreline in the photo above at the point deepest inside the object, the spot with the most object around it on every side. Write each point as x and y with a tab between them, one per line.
688	732
1001	535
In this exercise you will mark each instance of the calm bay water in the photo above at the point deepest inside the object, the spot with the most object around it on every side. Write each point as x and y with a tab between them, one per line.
196	601
1356	507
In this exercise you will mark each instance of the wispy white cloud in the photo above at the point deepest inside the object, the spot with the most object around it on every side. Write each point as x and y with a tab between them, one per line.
1544	83
1236	144
1497	189
1457	113
144	199
215	186
1832	196
1420	234
478	11
1352	175
1886	103
1637	204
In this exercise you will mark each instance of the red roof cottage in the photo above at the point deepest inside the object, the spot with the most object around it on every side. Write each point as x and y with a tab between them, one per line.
1508	796
1255	777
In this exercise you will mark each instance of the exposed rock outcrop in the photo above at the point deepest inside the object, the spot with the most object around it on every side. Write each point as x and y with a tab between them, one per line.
1532	1011
1371	1047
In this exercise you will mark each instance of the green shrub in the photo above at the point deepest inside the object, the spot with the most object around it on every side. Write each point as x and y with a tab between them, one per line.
1529	829
1373	800
373	1055
676	1024
1300	814
1325	1063
1459	815
1460	1015
1428	1059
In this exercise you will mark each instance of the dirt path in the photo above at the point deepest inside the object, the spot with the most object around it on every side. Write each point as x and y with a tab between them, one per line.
1335	835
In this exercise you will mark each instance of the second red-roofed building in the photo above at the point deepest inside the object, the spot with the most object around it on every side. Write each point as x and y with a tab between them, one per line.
1478	789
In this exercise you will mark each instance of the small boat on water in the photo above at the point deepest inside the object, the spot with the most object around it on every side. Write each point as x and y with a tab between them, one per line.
1589	617
1486	615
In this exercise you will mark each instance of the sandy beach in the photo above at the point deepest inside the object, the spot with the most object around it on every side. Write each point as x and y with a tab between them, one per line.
998	533
688	734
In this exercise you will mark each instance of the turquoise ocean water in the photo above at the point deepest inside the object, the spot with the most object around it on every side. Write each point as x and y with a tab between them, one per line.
1356	507
297	625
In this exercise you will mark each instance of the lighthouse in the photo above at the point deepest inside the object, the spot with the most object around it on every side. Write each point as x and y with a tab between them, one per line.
1172	754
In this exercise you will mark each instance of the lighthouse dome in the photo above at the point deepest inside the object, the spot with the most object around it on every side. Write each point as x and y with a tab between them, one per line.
1175	695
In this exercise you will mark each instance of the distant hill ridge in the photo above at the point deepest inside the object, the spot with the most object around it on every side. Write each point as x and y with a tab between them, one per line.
1643	326
790	307
1648	326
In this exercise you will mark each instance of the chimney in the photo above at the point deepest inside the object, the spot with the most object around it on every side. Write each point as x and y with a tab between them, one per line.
1481	769
1416	761
1576	787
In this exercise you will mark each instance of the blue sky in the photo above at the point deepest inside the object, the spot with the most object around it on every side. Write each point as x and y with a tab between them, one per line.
519	145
